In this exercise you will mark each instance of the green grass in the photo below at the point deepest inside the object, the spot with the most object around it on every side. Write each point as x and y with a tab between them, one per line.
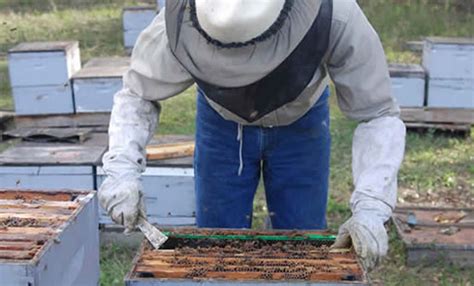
433	161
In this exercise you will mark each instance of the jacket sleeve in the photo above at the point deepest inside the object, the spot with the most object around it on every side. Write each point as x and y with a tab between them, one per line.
358	67
154	75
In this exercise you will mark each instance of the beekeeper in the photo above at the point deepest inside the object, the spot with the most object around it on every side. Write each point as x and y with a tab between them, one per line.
262	69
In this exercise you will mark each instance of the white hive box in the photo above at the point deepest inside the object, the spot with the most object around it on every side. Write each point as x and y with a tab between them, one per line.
96	84
135	20
40	75
449	58
52	166
408	84
451	93
168	187
48	238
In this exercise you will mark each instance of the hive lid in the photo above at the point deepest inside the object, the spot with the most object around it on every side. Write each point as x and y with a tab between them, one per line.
112	67
406	70
450	40
61	46
41	154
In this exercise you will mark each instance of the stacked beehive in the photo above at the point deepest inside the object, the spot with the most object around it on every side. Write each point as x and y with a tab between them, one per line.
96	84
408	84
168	187
449	63
48	238
135	20
40	75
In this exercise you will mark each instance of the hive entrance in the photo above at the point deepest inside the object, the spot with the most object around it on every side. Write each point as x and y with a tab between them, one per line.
246	260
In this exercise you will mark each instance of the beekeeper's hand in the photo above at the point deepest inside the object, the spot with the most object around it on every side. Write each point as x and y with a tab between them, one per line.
123	200
377	153
367	234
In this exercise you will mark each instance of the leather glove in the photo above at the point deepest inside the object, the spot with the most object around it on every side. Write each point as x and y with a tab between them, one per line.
377	153
123	200
367	235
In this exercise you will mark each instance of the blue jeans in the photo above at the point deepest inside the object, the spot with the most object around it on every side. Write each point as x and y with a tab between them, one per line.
293	159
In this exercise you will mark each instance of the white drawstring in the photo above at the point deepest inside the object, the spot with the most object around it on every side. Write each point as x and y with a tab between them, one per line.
240	138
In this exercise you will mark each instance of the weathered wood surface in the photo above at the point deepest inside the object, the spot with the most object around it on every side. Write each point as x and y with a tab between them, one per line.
36	154
44	46
113	67
437	115
73	120
425	240
183	162
46	135
170	151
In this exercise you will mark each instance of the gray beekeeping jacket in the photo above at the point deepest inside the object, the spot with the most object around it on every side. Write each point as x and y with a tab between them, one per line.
355	61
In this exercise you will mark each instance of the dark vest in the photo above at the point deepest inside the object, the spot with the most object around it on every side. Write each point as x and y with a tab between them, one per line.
285	83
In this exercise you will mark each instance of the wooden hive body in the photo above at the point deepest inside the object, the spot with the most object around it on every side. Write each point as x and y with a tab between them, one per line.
52	165
135	20
449	63
40	75
236	260
48	238
168	187
408	84
96	84
425	242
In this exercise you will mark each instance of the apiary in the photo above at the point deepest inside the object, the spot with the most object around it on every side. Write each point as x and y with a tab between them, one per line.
40	75
408	84
135	20
231	257
48	238
168	188
34	165
434	234
96	84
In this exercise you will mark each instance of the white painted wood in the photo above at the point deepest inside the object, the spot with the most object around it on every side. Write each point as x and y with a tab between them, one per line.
130	38
35	100
137	18
95	95
38	68
449	58
451	93
53	182
169	195
409	92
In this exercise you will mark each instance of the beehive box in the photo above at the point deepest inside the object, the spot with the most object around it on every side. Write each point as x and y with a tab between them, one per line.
449	58
52	165
242	257
434	234
408	84
135	20
168	188
40	75
451	93
96	84
48	238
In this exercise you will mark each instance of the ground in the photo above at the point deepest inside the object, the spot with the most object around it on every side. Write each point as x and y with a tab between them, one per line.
434	162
